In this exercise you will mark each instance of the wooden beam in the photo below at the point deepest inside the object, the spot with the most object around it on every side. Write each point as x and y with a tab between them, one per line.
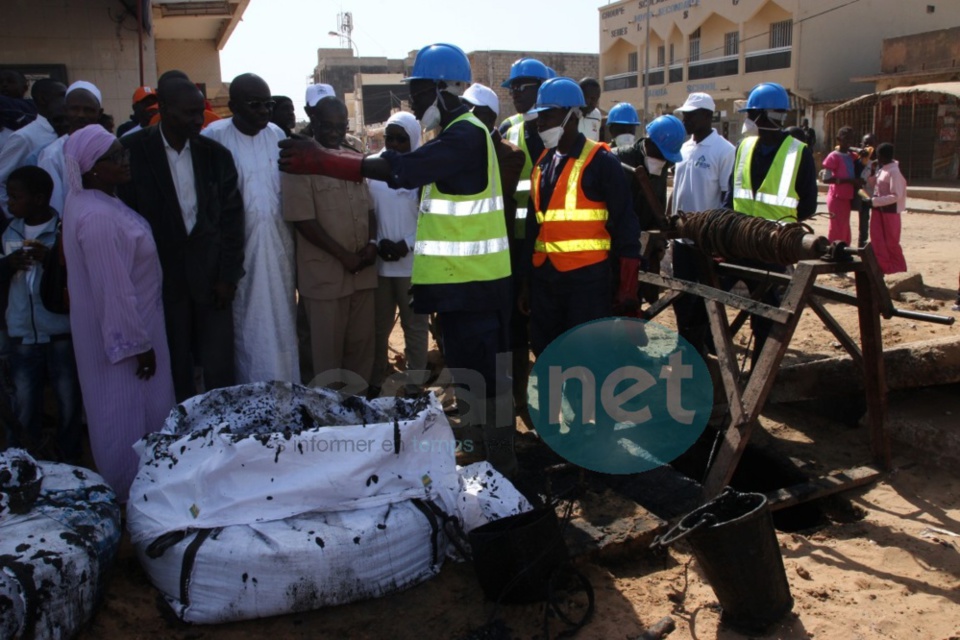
660	305
874	378
726	358
761	380
710	293
823	486
838	332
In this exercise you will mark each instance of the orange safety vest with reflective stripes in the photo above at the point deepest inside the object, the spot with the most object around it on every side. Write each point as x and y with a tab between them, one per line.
573	229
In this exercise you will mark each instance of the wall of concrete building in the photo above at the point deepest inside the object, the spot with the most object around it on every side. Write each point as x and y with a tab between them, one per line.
847	42
831	42
922	52
83	36
199	59
491	68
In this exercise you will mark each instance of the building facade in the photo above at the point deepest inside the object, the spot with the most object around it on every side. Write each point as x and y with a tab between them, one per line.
99	41
726	47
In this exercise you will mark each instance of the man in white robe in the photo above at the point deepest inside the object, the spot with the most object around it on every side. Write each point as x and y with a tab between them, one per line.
264	310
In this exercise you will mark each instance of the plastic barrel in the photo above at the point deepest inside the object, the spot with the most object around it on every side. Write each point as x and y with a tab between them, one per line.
515	556
734	541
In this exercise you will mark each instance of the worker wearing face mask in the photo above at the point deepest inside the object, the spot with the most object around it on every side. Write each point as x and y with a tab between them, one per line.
580	215
622	123
461	262
650	158
774	175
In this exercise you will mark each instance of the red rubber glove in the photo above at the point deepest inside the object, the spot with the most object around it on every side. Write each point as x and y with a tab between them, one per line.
627	303
304	156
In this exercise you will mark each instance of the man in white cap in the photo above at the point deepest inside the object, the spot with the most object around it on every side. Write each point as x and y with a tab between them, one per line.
700	182
266	293
82	102
24	145
511	159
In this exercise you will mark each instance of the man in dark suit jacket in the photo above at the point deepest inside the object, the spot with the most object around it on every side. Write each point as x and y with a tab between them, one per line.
185	186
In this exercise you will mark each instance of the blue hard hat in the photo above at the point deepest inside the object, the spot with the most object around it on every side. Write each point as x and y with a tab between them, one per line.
527	68
668	134
551	73
623	113
441	62
768	95
559	93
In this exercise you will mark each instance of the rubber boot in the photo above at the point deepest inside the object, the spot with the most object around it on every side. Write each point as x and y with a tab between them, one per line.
498	433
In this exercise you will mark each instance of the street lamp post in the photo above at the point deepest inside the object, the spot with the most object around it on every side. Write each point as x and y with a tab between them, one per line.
358	88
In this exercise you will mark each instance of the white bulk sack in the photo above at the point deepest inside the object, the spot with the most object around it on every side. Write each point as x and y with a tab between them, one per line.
244	508
268	451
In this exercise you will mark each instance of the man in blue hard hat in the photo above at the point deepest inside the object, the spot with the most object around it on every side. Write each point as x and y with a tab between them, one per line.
461	265
622	123
568	251
774	177
651	157
526	77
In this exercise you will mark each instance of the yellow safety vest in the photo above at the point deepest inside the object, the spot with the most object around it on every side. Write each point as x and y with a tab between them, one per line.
463	238
776	199
515	134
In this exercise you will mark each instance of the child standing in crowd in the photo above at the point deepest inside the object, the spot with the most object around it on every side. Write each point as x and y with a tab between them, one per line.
842	177
41	345
888	202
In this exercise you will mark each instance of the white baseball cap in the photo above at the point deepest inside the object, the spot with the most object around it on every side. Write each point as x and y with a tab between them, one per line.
317	92
481	96
698	101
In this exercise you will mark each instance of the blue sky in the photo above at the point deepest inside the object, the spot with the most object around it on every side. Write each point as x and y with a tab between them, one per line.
278	39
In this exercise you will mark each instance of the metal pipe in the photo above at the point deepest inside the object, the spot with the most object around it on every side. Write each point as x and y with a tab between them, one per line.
924	317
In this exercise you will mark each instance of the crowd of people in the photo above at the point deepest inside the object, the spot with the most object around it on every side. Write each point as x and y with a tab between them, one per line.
202	252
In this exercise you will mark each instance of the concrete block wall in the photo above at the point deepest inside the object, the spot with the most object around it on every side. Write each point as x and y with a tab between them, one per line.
197	58
84	37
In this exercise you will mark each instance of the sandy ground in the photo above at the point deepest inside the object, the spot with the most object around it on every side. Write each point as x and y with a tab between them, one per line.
883	563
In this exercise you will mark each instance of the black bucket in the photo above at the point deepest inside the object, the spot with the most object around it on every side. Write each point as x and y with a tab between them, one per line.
735	544
515	557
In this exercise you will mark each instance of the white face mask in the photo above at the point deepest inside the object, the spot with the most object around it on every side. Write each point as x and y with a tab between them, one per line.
750	128
551	137
431	117
624	140
654	165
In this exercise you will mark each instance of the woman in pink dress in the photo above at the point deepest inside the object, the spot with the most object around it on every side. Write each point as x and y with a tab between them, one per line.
116	314
844	182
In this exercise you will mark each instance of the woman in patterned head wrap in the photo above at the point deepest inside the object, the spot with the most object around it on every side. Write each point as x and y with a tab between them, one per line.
116	313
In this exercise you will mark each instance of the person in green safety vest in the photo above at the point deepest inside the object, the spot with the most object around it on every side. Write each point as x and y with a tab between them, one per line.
461	264
774	177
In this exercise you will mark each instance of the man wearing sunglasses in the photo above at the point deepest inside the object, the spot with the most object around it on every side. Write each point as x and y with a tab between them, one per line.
265	295
461	265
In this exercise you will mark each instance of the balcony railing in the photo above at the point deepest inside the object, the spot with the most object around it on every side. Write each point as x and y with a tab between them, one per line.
713	68
768	59
654	77
619	81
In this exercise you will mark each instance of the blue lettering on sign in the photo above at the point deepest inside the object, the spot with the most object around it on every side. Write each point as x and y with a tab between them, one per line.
657	92
704	86
620	395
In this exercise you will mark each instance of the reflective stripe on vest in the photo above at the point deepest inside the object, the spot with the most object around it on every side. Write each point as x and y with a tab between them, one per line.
515	134
776	199
573	229
463	238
